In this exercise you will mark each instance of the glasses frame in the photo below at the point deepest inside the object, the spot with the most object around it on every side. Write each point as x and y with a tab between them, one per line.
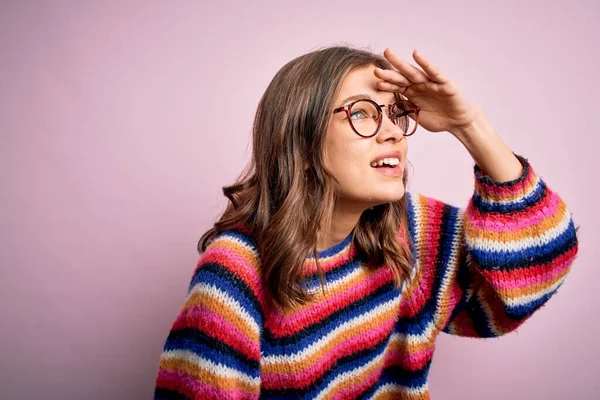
414	109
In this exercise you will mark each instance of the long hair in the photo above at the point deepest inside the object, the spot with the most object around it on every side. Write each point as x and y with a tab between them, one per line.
286	196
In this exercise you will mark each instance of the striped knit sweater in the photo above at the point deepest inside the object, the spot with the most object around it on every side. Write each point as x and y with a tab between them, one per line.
478	272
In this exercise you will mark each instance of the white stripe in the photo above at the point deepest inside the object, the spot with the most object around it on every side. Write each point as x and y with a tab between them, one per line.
323	341
349	375
220	370
505	202
395	388
520	245
523	300
426	337
216	293
334	284
416	207
489	315
240	242
453	264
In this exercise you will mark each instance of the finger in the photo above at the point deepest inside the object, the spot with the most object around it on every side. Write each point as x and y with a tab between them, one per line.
392	76
431	70
428	86
410	71
390	87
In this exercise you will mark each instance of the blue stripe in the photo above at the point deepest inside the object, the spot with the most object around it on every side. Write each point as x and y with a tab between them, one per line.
205	276
239	236
519	204
397	375
537	254
329	324
210	349
523	311
313	283
344	366
410	199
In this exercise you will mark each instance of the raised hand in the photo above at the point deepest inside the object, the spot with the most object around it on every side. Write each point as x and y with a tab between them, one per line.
443	107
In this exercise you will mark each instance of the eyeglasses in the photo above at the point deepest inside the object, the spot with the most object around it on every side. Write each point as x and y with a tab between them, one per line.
365	116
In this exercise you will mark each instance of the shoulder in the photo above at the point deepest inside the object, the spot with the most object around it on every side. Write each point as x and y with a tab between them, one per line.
239	240
231	260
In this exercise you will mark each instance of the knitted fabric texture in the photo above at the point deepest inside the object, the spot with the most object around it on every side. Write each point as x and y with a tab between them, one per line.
479	272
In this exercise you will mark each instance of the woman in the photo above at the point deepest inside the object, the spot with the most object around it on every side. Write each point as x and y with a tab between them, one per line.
324	278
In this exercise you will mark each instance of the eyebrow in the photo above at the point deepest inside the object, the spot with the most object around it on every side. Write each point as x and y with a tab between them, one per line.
363	96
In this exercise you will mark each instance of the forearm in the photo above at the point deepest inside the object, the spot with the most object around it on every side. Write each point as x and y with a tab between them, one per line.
487	149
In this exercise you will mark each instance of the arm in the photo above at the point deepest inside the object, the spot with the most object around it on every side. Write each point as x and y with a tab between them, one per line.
519	238
493	264
213	349
482	271
519	244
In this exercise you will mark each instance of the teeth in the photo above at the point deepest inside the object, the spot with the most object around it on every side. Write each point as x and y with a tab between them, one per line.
387	161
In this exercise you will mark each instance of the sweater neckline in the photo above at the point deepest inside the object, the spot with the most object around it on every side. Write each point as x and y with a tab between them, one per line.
337	248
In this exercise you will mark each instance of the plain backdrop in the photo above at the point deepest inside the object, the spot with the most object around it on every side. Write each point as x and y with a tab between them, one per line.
120	122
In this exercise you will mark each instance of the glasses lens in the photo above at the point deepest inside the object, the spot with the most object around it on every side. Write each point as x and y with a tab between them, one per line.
364	117
404	115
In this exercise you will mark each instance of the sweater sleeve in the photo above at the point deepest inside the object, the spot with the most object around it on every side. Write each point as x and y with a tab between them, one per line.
502	258
213	348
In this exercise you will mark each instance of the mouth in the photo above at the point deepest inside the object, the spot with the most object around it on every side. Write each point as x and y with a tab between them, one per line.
387	162
388	168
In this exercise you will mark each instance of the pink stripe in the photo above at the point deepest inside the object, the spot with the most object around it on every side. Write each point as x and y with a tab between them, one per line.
217	326
288	325
533	280
411	361
192	387
514	192
354	390
540	213
236	264
312	372
331	262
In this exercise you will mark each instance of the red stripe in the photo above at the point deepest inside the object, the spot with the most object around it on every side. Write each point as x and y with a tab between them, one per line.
217	327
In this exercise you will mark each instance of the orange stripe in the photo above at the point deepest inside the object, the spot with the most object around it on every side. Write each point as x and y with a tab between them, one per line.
401	393
403	345
354	380
243	251
343	336
224	309
545	225
338	289
424	218
506	294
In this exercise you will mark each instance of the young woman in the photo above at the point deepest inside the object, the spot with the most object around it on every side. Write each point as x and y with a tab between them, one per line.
324	278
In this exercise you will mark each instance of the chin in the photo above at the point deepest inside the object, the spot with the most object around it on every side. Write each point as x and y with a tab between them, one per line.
388	198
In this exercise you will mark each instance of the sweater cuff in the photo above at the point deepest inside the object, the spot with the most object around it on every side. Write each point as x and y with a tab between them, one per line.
490	190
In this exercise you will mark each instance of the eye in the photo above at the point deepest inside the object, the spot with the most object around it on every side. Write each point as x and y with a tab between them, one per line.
359	114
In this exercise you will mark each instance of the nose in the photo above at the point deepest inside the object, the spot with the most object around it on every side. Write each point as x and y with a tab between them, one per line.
389	131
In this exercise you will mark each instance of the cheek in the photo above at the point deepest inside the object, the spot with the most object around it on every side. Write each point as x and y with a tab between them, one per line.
348	166
346	157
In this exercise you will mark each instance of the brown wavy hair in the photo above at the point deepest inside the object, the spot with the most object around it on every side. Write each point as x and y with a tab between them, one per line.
286	196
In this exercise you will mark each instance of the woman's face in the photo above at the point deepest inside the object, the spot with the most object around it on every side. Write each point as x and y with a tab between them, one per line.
349	157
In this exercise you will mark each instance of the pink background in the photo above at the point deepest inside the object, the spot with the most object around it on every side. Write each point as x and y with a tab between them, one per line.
120	123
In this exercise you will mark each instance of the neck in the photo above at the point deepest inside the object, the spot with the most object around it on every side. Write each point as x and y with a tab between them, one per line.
344	219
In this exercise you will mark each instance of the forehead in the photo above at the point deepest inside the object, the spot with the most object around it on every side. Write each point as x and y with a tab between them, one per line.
363	80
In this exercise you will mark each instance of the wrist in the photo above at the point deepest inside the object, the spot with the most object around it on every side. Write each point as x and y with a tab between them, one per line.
479	125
